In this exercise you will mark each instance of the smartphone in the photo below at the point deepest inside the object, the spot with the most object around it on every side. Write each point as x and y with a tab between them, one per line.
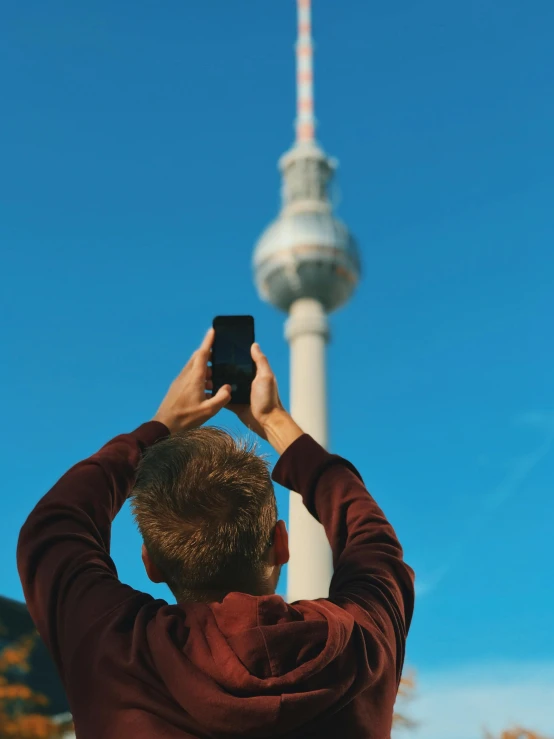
232	362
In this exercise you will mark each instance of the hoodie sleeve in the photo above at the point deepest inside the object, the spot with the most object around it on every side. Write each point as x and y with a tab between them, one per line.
371	579
63	553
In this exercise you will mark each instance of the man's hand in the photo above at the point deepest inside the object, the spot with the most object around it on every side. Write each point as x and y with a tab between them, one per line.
265	415
187	405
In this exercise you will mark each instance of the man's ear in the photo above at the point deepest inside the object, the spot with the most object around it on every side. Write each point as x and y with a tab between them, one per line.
152	570
281	544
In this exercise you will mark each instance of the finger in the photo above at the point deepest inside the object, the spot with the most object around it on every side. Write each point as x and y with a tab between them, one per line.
219	400
209	373
209	385
262	365
206	345
199	360
189	364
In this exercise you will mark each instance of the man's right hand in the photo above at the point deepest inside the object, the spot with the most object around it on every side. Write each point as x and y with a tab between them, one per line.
265	415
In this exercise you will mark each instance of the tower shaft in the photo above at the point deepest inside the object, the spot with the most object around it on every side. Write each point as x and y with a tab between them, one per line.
307	331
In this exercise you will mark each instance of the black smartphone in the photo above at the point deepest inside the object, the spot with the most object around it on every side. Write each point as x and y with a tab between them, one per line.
232	362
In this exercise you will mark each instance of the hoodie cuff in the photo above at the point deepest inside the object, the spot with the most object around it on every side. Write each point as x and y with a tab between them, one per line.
149	433
301	465
296	466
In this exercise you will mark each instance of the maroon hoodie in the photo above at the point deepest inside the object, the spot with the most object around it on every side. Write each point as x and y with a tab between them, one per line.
249	666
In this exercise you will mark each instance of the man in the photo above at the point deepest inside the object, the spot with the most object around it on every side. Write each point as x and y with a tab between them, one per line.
231	659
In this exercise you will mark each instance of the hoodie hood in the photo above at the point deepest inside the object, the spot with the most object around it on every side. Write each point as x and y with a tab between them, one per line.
257	666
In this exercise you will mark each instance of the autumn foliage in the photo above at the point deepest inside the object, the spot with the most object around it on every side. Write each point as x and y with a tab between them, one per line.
517	732
20	707
400	719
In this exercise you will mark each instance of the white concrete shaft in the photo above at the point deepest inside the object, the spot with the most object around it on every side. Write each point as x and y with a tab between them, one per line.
307	331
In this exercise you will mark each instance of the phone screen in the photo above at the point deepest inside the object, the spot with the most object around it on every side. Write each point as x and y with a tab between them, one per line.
232	362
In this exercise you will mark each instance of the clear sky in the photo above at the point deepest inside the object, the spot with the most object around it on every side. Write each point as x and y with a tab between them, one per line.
138	168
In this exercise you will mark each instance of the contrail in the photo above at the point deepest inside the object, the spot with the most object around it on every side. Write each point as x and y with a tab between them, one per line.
497	498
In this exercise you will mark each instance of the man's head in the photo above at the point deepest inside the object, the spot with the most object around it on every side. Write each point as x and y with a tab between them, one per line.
206	509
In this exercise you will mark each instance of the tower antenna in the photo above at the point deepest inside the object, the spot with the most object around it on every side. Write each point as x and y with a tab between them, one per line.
305	120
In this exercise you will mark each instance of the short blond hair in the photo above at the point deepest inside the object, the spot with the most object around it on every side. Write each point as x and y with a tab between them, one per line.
205	506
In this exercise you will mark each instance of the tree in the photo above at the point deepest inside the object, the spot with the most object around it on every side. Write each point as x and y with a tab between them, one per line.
405	694
20	714
517	732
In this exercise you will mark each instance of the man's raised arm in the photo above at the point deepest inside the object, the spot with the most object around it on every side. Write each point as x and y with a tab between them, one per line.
371	579
63	553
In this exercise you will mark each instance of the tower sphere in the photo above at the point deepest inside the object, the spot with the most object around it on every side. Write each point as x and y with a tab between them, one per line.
306	252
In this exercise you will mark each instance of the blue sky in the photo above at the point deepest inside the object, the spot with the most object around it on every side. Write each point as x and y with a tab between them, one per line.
140	143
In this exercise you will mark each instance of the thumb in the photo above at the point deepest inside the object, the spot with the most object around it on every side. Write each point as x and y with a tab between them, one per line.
262	365
219	400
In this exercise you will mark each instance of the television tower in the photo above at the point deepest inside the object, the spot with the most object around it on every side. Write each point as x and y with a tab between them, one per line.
306	263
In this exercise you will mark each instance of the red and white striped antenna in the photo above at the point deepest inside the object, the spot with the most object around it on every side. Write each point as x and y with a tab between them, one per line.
305	121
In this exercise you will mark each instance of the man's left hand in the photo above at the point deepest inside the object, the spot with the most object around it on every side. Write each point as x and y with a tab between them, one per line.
188	403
